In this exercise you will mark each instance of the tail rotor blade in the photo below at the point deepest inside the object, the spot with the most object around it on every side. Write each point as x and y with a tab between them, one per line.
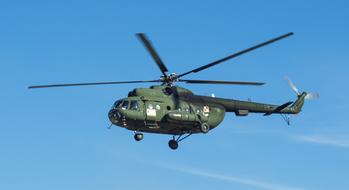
311	96
294	88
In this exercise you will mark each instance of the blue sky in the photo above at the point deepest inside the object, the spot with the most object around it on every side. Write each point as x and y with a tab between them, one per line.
57	138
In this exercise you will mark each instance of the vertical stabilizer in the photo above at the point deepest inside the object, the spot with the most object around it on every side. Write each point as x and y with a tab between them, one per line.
296	107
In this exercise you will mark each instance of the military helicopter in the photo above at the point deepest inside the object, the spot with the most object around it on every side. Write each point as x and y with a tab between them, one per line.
173	110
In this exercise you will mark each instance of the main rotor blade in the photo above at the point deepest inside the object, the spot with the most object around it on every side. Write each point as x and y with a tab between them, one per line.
143	38
90	84
236	54
221	82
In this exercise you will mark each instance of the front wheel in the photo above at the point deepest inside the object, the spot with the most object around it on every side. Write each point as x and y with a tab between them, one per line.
138	136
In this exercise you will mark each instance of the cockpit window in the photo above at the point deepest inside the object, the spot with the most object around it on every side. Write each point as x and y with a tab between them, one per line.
117	104
134	105
124	105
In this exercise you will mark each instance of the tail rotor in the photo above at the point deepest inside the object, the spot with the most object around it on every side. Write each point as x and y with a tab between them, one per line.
309	96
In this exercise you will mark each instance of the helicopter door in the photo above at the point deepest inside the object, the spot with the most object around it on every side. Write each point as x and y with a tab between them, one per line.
150	111
153	113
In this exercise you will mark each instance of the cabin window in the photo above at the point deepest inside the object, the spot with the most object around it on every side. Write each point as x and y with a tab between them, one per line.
134	105
124	105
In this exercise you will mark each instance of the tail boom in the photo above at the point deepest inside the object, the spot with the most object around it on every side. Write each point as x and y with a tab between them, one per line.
238	106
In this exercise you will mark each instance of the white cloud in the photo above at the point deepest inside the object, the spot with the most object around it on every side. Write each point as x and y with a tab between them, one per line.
324	140
234	179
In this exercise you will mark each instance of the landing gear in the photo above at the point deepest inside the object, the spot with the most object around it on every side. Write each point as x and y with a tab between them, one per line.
138	136
204	127
173	143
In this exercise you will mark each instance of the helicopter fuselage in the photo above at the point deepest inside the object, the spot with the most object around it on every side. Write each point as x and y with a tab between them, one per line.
176	110
166	110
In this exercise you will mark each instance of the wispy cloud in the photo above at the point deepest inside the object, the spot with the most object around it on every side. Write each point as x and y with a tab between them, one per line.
234	179
316	139
251	182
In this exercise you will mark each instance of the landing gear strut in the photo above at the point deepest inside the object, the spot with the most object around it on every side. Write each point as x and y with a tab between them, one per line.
138	136
173	143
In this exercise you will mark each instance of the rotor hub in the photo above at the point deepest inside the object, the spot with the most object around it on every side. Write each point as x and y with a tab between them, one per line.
169	79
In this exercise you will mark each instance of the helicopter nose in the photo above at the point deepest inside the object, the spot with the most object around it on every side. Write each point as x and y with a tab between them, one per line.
114	116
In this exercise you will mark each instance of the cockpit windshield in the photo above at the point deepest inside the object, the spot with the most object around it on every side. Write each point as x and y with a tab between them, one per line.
117	104
124	105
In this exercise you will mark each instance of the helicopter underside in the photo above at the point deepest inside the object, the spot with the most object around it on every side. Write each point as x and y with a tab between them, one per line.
179	130
163	127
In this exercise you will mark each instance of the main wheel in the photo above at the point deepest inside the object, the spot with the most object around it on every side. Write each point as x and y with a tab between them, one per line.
173	144
204	127
138	136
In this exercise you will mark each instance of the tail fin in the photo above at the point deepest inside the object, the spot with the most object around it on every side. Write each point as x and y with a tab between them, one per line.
296	107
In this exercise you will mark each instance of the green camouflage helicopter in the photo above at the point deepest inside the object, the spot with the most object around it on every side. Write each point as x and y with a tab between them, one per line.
173	110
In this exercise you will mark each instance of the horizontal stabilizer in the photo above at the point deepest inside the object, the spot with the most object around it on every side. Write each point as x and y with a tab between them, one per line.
279	108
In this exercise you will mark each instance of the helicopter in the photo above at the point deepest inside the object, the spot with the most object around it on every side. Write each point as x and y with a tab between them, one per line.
173	110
